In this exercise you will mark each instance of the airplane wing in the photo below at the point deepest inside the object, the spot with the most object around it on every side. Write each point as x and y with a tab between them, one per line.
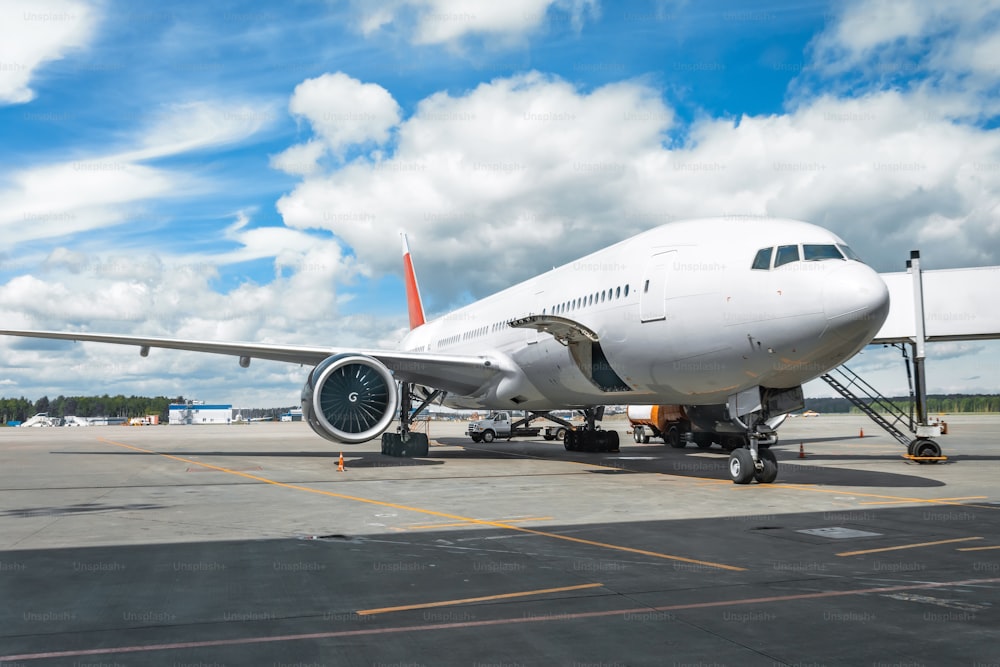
457	374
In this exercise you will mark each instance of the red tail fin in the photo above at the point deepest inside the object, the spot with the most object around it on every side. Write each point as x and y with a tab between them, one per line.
412	291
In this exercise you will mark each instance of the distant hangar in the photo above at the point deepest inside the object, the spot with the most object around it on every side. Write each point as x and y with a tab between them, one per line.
200	413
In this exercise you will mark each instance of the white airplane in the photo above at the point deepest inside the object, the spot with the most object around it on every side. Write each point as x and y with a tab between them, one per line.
731	315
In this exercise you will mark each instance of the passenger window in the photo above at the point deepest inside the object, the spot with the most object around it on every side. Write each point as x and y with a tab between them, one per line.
626	290
812	253
786	254
848	253
763	259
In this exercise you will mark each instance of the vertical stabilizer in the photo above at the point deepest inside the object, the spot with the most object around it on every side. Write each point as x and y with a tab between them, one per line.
413	302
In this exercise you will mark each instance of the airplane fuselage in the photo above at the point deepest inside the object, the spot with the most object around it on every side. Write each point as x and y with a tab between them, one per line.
680	315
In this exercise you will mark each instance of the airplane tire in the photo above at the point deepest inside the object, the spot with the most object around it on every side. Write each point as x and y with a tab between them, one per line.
612	442
769	472
476	438
569	442
741	468
925	447
488	436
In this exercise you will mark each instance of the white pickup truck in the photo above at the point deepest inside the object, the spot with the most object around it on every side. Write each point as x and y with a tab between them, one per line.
499	425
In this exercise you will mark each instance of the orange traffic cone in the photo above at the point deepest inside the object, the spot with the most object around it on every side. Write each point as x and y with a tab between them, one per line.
340	464
861	434
802	451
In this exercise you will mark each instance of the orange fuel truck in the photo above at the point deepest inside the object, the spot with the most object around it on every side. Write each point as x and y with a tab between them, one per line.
669	422
679	424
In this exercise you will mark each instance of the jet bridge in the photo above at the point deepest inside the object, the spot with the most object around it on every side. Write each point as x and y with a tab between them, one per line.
925	306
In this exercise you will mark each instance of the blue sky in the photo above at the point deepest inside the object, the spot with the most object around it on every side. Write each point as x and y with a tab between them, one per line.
242	170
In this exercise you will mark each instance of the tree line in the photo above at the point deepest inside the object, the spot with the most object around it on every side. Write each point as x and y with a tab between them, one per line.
21	409
946	403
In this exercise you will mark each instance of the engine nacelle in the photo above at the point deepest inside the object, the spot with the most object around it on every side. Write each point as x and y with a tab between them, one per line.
349	398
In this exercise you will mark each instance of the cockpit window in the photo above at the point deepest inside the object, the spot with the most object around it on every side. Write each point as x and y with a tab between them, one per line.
786	254
812	253
848	253
763	259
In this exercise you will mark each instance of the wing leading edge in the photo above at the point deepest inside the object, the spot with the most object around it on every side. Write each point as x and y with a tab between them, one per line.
456	374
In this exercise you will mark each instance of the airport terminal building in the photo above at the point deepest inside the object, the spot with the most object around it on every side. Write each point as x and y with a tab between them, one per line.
197	413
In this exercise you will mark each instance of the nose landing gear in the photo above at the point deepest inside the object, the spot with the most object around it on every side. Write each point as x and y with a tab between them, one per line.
754	461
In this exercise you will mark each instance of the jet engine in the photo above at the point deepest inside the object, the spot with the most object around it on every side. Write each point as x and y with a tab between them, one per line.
349	398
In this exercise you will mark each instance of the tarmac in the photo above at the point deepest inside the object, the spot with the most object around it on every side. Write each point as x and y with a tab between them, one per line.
244	545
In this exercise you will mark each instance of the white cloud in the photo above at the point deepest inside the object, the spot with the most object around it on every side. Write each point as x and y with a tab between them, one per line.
948	48
449	21
503	172
301	159
176	295
191	126
62	199
33	32
523	173
343	111
103	190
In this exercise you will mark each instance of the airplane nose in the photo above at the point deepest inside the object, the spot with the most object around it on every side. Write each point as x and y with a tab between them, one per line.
855	301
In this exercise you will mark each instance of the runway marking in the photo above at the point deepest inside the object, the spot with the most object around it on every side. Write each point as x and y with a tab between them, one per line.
444	515
333	634
978	548
908	546
431	526
449	603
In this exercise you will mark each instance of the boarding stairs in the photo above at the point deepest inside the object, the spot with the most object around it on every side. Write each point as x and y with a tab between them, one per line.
866	398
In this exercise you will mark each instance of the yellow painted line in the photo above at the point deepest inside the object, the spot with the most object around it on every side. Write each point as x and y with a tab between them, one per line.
891	499
707	481
935	500
978	548
444	515
431	526
485	598
887	502
908	546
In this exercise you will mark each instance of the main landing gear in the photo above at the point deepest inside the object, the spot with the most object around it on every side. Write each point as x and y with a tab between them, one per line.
406	443
590	438
754	461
